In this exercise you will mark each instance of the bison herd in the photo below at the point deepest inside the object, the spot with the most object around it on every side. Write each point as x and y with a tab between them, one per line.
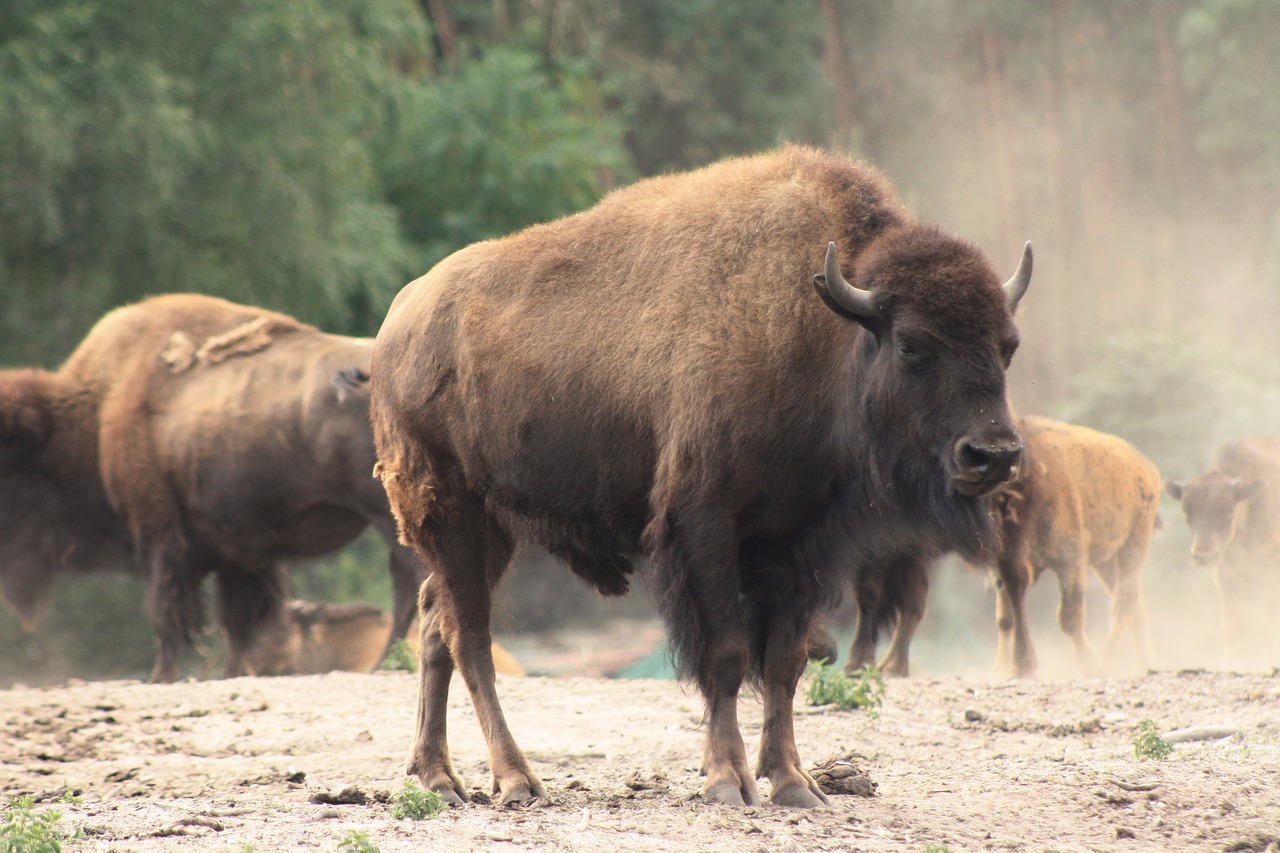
763	383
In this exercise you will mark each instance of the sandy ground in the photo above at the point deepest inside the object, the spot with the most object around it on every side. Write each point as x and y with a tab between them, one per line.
967	763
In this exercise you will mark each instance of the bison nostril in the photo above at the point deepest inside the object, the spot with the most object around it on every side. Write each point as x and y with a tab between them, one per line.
995	458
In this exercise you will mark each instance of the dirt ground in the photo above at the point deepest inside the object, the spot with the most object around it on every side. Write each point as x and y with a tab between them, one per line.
968	763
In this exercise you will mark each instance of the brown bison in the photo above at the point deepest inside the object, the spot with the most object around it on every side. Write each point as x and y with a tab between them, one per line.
1233	511
1083	499
189	436
657	375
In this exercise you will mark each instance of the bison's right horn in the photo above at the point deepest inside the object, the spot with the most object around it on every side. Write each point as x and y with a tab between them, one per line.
1016	286
848	297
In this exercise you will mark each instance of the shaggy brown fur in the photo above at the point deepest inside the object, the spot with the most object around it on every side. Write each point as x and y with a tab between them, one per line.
658	375
1233	511
1084	499
245	457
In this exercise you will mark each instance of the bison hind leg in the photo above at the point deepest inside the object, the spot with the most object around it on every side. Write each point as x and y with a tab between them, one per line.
252	610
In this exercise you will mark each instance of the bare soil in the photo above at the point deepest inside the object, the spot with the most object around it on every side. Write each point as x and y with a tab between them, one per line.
968	763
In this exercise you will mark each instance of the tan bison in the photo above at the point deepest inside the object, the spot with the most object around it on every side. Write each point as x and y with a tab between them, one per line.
321	637
1082	500
665	374
189	436
1233	511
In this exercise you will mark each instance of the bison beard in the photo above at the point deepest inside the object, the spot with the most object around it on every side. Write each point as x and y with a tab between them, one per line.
657	375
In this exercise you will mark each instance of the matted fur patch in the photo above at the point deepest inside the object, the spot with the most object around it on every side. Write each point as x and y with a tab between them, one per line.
247	338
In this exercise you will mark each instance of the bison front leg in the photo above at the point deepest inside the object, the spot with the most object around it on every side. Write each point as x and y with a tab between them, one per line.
175	607
697	587
911	587
1015	652
784	661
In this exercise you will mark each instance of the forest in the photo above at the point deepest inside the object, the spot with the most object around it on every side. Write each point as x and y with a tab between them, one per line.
312	157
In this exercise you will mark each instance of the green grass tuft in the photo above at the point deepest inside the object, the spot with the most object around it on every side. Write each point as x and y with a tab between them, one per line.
863	689
412	802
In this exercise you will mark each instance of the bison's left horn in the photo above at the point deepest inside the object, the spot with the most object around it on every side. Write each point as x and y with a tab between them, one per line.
1016	286
848	297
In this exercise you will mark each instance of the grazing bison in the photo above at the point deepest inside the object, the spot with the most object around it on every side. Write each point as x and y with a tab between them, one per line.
657	375
1083	499
189	436
1233	511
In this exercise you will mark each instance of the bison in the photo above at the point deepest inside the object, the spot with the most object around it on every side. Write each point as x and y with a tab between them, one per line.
1083	500
1233	511
188	436
664	374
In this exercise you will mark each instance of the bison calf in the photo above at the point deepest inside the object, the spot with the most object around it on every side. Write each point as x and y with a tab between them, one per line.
1233	511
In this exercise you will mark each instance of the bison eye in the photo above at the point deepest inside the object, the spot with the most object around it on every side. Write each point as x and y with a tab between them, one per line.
912	355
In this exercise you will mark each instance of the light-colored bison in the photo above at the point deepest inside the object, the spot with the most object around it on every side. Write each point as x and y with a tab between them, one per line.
189	436
1233	511
1082	500
658	375
321	637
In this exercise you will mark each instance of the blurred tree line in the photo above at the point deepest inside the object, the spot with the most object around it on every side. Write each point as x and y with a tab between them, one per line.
312	156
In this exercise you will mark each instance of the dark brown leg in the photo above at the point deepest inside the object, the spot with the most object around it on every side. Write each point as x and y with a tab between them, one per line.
868	594
466	557
784	662
911	591
175	606
1015	653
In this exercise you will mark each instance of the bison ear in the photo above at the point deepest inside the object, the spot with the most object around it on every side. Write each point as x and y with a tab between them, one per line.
350	381
842	297
1174	488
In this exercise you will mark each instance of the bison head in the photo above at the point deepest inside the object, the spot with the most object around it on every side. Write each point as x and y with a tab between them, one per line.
1209	502
942	336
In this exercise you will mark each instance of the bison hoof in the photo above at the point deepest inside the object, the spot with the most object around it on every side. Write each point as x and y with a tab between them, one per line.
798	796
730	794
518	793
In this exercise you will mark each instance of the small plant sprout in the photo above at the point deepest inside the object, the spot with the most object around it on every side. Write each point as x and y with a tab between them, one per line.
400	657
1149	744
356	841
24	829
863	689
412	802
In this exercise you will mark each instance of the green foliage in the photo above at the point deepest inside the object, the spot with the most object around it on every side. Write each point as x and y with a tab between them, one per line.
356	841
24	829
222	149
400	657
1149	745
413	803
828	685
500	144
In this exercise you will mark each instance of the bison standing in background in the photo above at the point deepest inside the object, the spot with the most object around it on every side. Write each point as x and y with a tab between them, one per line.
1082	500
189	436
1233	511
658	375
